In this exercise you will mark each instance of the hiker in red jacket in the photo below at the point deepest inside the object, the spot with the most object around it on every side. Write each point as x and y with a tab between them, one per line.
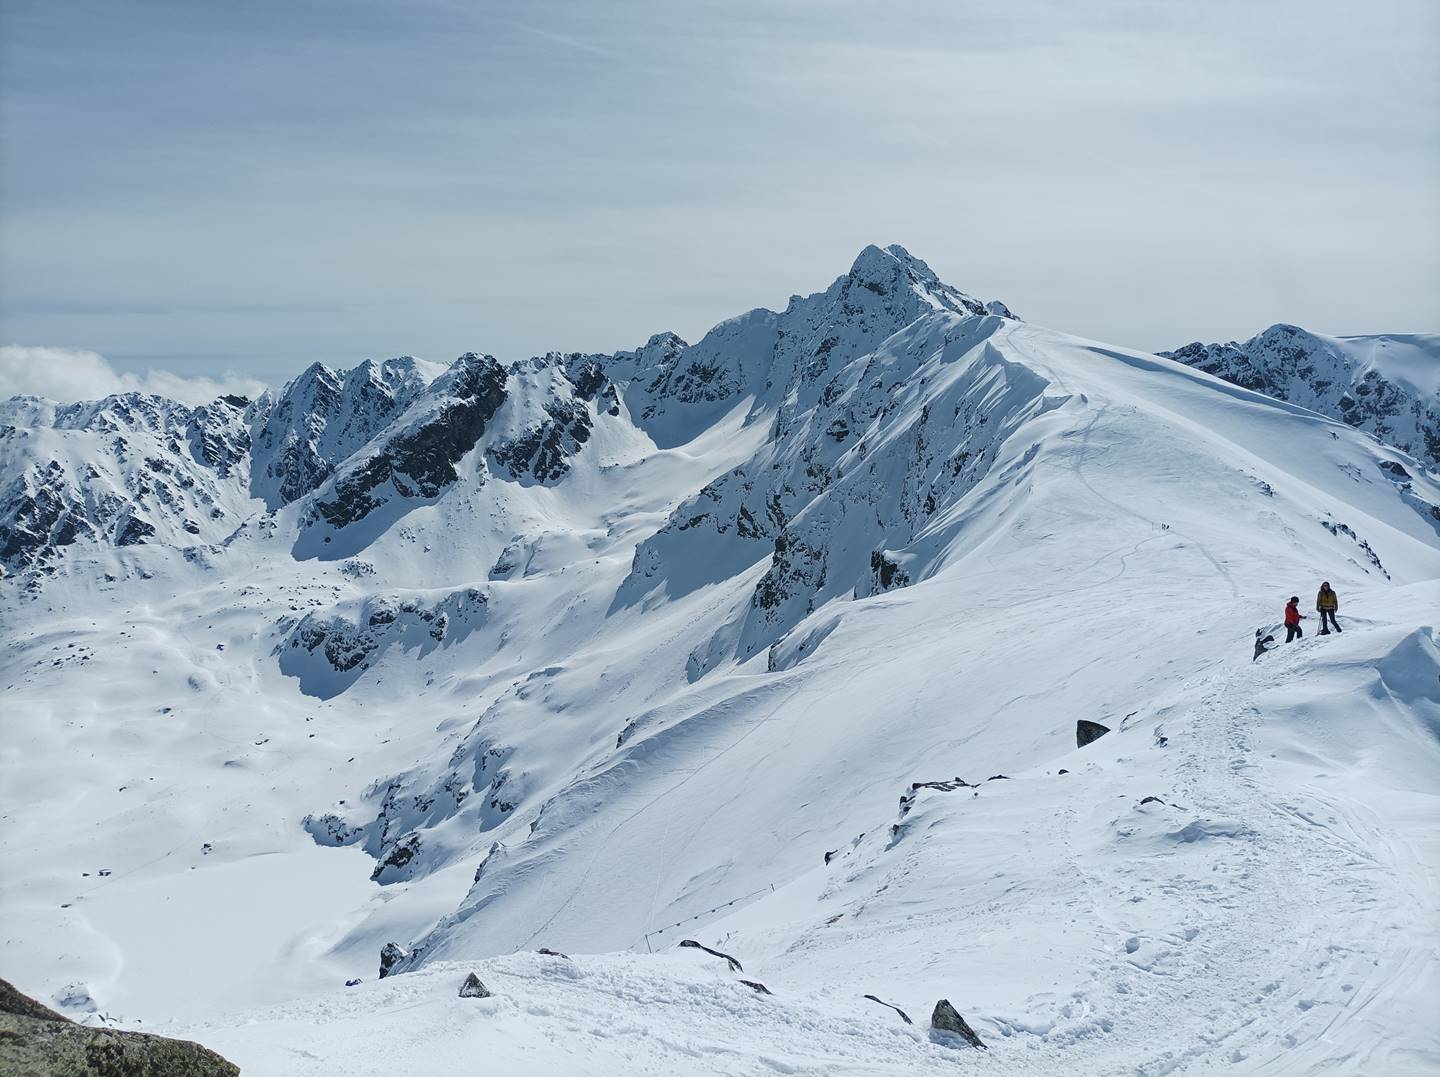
1293	617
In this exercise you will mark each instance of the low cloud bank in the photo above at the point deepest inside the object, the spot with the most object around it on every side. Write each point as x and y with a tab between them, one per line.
69	374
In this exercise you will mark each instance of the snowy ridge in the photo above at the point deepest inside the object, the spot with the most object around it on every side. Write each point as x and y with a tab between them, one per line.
781	637
1386	385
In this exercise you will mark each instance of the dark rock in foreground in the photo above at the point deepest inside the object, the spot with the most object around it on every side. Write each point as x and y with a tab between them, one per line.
1087	732
473	988
947	1019
38	1042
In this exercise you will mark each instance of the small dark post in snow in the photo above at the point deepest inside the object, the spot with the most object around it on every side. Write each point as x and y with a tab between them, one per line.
1087	732
473	988
890	1005
947	1019
734	965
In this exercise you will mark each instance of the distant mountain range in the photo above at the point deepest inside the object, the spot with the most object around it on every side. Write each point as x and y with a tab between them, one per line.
1386	384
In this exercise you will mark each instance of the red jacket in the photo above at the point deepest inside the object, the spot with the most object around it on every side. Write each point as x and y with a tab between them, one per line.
1292	614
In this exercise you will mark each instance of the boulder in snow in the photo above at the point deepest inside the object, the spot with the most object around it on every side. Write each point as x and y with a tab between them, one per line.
1087	732
473	988
947	1019
391	954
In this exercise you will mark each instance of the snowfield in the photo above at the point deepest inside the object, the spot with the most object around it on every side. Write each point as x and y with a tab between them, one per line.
776	642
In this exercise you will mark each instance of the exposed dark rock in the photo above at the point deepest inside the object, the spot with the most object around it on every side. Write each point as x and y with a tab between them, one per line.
757	987
35	1041
887	573
1064	771
890	1005
133	532
1152	800
473	988
831	855
1394	468
352	983
391	954
907	801
552	953
1087	732
544	451
947	1019
420	462
734	965
392	866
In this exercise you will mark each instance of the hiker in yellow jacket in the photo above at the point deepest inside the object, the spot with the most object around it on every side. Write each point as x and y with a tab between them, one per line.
1326	603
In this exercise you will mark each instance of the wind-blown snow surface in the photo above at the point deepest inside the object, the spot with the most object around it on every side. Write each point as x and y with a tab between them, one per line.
677	624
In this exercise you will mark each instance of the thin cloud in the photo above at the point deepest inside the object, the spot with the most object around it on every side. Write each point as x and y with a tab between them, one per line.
70	374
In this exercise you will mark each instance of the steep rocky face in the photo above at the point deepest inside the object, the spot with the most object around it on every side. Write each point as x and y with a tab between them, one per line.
551	416
1353	379
415	458
124	470
324	416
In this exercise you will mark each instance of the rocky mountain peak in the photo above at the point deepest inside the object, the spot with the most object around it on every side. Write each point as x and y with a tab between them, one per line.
324	416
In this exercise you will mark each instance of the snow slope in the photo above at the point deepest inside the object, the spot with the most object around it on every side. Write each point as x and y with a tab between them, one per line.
598	653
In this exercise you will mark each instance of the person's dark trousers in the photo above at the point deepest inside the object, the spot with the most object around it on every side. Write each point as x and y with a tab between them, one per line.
1328	615
1292	632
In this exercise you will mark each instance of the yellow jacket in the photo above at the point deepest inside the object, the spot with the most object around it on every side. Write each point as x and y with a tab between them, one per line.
1327	600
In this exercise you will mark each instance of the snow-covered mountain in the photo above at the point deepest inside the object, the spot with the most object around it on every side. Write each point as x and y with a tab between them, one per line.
777	642
120	471
1387	385
323	417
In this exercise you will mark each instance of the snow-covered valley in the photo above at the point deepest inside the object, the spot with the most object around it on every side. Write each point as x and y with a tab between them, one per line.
777	642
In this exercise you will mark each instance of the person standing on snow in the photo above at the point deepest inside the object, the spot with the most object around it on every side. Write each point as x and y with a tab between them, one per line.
1292	619
1326	603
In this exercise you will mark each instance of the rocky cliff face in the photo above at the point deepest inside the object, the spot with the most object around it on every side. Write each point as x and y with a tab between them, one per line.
1377	384
415	458
323	417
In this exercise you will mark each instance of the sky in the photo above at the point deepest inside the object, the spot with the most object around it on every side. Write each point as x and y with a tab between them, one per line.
233	191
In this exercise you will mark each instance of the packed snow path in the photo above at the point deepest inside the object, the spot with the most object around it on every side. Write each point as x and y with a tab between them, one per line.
1252	960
